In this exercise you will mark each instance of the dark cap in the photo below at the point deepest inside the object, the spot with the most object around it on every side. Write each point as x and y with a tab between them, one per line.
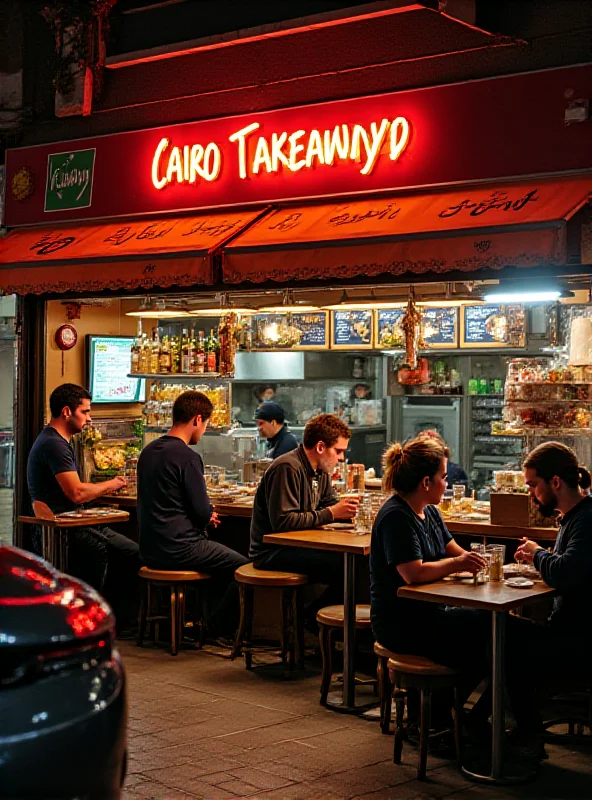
270	411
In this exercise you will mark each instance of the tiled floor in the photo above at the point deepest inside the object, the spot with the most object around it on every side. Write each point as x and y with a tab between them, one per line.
201	726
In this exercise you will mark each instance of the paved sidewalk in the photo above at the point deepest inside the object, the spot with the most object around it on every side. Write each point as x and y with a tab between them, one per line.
202	726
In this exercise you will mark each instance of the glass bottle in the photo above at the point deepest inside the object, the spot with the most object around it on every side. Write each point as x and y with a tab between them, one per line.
175	355
165	355
185	352
192	351
211	355
136	347
200	358
155	352
144	365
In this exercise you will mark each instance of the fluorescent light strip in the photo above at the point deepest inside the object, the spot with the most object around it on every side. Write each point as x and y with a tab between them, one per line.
522	297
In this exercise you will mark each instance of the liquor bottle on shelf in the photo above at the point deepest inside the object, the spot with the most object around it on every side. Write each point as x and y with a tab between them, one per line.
165	356
136	348
145	352
185	352
211	355
175	355
200	358
155	352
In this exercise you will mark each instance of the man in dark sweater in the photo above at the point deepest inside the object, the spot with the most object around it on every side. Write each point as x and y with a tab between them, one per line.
100	556
271	422
562	645
295	493
174	511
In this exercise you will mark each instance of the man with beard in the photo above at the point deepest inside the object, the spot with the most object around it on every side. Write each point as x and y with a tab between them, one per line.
557	483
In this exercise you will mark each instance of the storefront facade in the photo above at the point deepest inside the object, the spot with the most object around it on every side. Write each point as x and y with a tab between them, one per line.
475	181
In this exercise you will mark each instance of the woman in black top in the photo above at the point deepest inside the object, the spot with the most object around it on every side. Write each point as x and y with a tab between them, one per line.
411	544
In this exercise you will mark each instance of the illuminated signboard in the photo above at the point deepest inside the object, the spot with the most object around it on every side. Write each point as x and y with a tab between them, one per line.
256	152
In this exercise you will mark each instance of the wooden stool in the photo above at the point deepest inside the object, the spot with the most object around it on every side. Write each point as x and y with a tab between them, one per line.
330	618
417	672
292	632
385	689
177	581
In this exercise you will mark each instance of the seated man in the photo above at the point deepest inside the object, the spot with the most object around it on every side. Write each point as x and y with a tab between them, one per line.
174	511
557	483
455	473
107	560
295	493
270	420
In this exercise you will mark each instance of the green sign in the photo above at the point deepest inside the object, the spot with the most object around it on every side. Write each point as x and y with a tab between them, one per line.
69	180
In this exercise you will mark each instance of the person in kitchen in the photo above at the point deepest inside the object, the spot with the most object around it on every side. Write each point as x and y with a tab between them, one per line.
455	473
105	559
271	421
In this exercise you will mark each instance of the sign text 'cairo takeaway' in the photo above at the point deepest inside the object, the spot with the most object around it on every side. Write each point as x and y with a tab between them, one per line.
254	153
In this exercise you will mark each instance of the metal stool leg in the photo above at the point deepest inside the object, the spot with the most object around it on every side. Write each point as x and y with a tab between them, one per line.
326	655
248	632
424	722
174	613
385	692
144	606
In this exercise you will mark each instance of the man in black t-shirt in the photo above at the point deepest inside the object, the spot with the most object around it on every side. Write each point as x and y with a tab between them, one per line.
100	556
174	510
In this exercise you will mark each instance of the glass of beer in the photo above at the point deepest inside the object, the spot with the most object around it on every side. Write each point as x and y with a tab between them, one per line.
496	565
446	501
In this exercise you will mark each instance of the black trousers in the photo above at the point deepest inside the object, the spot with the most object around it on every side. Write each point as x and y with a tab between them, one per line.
221	592
109	562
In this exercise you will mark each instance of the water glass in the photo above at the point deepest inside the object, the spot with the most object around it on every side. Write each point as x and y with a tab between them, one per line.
458	491
483	575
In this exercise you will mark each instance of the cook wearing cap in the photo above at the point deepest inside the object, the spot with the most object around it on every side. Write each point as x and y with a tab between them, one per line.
270	418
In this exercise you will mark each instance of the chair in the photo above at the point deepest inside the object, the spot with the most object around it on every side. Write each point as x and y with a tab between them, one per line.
292	631
417	672
330	619
177	581
576	723
385	689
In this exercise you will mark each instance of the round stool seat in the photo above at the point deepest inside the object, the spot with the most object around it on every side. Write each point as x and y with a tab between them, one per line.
382	652
419	665
268	577
333	616
172	575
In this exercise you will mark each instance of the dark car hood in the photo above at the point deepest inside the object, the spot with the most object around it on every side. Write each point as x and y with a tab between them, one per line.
42	607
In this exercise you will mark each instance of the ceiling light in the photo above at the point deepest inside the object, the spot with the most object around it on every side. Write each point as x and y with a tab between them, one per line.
361	304
289	304
159	308
225	306
450	299
505	295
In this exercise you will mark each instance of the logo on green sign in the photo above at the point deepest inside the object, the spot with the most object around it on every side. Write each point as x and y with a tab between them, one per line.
69	180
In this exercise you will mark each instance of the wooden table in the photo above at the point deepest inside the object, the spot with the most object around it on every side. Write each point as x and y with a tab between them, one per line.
485	529
54	544
499	599
223	509
121	500
351	545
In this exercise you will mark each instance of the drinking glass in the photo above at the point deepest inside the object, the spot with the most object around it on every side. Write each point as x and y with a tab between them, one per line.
446	501
458	491
466	504
483	575
496	566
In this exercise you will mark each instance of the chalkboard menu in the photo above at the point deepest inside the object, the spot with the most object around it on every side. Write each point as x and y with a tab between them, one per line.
493	326
440	327
352	330
109	363
315	329
294	331
389	333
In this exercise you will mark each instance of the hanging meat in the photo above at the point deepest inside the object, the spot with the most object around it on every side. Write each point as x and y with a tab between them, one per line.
411	325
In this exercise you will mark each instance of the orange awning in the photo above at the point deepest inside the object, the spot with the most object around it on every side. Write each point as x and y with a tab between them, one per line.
139	253
521	224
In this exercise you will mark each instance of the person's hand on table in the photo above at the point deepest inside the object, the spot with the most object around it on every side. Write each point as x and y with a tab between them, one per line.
526	550
117	483
470	562
215	519
345	509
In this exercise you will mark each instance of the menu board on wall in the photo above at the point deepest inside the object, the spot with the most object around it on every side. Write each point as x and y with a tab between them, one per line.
352	330
388	330
440	327
294	331
109	364
314	326
493	326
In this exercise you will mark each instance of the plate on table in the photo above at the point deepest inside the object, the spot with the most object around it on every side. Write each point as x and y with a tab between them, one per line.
338	526
519	583
458	576
70	515
520	570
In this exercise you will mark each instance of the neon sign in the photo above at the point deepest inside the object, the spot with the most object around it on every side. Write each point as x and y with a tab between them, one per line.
289	151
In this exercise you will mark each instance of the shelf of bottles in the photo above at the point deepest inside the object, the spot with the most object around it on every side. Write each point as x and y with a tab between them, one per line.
187	356
547	396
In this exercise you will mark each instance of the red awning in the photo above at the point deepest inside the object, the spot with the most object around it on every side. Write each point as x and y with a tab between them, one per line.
521	224
117	255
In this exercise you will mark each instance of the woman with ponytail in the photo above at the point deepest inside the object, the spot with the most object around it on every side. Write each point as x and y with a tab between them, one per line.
411	544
